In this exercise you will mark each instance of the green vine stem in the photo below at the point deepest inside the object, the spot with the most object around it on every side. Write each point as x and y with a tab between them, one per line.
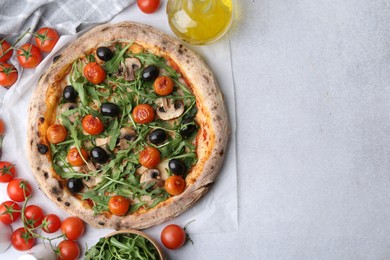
32	230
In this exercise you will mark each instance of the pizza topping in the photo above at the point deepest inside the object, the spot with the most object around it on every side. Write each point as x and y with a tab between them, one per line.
175	185
42	149
157	136
118	205
143	114
92	125
109	109
150	175
169	109
149	157
74	185
115	123
76	158
69	94
56	133
94	73
131	65
163	85
187	128
150	73
99	155
127	133
104	53
177	167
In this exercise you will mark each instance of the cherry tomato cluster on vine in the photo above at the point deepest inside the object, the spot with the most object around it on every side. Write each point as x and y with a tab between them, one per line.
33	217
29	55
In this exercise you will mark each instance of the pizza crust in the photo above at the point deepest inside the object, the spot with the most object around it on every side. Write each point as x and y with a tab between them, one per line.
212	118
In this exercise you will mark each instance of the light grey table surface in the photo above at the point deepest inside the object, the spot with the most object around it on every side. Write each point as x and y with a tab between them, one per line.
312	90
312	82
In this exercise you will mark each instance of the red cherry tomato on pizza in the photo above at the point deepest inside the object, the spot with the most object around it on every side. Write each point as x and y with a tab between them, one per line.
143	114
149	157
69	250
92	125
2	127
51	223
18	190
5	50
33	215
118	205
9	212
56	133
148	6
8	75
7	171
22	240
163	85
175	185
46	39
74	157
173	236
29	56
94	73
73	228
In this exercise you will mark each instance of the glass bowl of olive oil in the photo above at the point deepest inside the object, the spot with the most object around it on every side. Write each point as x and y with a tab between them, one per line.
200	21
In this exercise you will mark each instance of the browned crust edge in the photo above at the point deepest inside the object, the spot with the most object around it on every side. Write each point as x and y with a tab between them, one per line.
212	117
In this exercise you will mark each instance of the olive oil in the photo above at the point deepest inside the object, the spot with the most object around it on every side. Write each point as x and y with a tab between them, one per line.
200	21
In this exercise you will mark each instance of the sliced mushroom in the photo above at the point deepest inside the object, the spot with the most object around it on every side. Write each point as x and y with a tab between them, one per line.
91	182
131	65
66	107
102	141
127	133
152	175
163	168
169	109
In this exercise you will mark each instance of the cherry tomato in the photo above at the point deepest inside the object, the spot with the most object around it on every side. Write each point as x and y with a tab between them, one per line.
46	39
8	75
9	212
2	127
22	240
92	125
7	171
5	50
143	114
56	133
175	185
73	228
149	157
33	215
118	205
173	236
29	56
69	250
74	157
148	6
51	223
18	190
94	73
163	85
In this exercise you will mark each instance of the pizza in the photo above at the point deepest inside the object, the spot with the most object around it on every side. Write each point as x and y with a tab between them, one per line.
127	127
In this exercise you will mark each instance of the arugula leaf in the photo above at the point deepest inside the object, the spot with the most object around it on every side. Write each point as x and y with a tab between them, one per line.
113	64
